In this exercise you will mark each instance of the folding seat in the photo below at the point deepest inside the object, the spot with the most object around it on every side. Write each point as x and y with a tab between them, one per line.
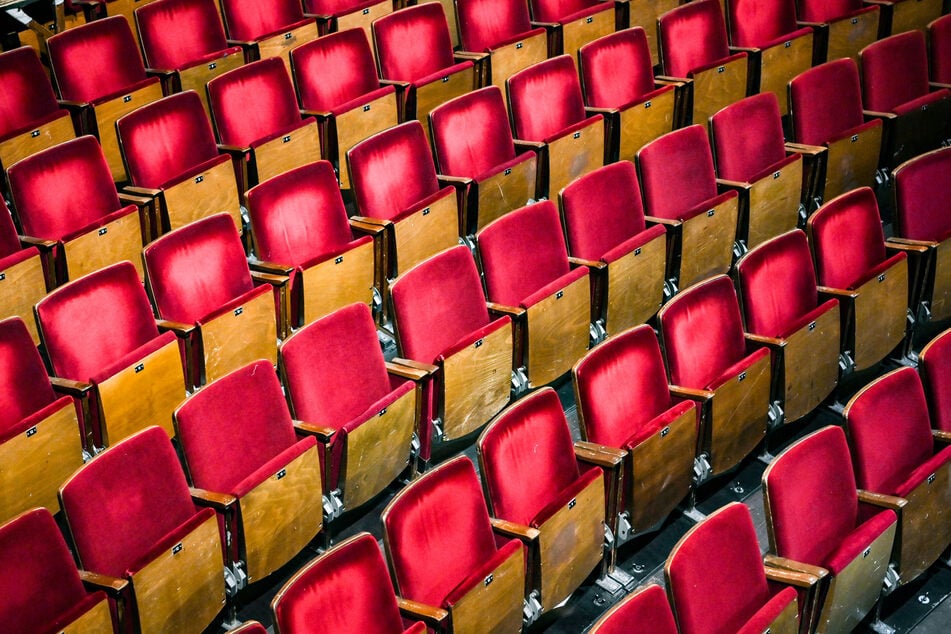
473	146
636	107
67	204
777	46
42	438
30	118
256	118
895	87
97	67
262	480
818	525
644	14
935	369
337	83
899	466
443	324
644	611
185	41
680	192
717	582
693	47
300	229
134	524
414	48
854	266
267	28
573	23
939	50
336	378
752	157
200	283
842	27
826	110
395	187
43	591
548	491
341	15
624	403
23	276
467	576
606	231
171	158
731	384
322	593
529	277
922	189
503	29
548	109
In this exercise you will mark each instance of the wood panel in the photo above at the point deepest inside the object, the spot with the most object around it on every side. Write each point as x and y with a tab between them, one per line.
287	151
21	287
848	36
363	18
644	13
774	203
108	112
787	621
505	191
880	313
925	529
280	45
439	91
851	162
917	131
126	8
642	123
32	141
738	416
910	15
941	290
558	332
282	514
706	243
337	282
577	33
182	589
94	621
780	63
811	365
359	123
495	603
212	191
636	285
196	77
427	231
574	155
507	60
476	382
718	87
118	240
238	337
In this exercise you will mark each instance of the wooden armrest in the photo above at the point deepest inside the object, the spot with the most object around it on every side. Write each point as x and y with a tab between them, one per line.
502	309
459	182
77	389
416	365
791	577
39	243
826	292
734	185
180	329
320	432
802	148
662	221
212	499
548	26
522	145
245	44
815	25
434	617
668	79
941	437
269	278
513	530
598	454
129	198
591	264
690	393
317	114
462	56
405	371
367	228
895	241
936	85
749	50
783	563
72	106
111	585
401	86
272	268
146	192
162	73
763	340
233	150
882	500
874	114
372	222
604	112
893	247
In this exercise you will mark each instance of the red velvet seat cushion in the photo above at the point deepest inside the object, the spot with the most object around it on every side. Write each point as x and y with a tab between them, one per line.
854	543
647	608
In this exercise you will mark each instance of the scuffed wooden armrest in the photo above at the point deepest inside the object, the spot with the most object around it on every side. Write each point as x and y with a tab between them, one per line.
502	309
662	221
459	182
415	373
245	44
548	26
941	437
233	150
434	617
763	340
749	50
374	224
78	389
462	56
735	185
317	114
874	114
269	278
96	581
826	292
808	150
892	247
605	112
783	563
791	577
212	499
415	365
401	86
599	455
272	268
72	106
882	500
897	242
180	329
667	80
591	264
39	243
691	393
513	530
937	85
522	145
129	198
320	432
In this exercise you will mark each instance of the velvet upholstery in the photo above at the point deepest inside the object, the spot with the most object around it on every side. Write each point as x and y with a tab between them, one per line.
826	102
484	24
939	48
894	71
27	97
748	137
644	611
936	373
827	10
323	593
413	44
248	21
692	36
922	190
715	576
545	99
335	7
9	239
472	135
758	24
599	61
178	33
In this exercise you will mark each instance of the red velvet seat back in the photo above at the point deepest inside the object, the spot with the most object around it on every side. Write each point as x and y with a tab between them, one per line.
677	172
333	7
521	252
437	532
40	580
197	268
555	10
922	192
252	102
249	21
527	457
438	302
94	321
121	504
233	426
936	374
602	209
487	23
175	33
604	86
748	137
334	368
894	71
471	133
646	607
777	282
413	42
63	188
27	94
825	100
692	35
166	138
545	98
96	59
939	60
811	496
715	573
702	332
757	23
299	215
392	170
889	430
621	385
334	69
27	388
324	592
847	238
827	10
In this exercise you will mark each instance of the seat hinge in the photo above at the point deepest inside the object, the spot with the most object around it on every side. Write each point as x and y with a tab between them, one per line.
519	382
531	608
670	288
236	578
438	433
775	416
701	469
333	505
597	332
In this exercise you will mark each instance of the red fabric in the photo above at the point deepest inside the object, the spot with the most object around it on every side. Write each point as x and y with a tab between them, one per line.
748	137
826	101
527	457
828	10
437	303
437	532
855	543
392	170
27	388
545	98
336	7
677	172
196	269
484	24
765	616
324	592
759	23
471	133
894	71
27	96
922	190
599	60
564	10
646	611
939	37
847	239
9	239
691	36
335	69
177	33
250	21
936	374
64	189
923	102
126	500
413	42
921	473
106	45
